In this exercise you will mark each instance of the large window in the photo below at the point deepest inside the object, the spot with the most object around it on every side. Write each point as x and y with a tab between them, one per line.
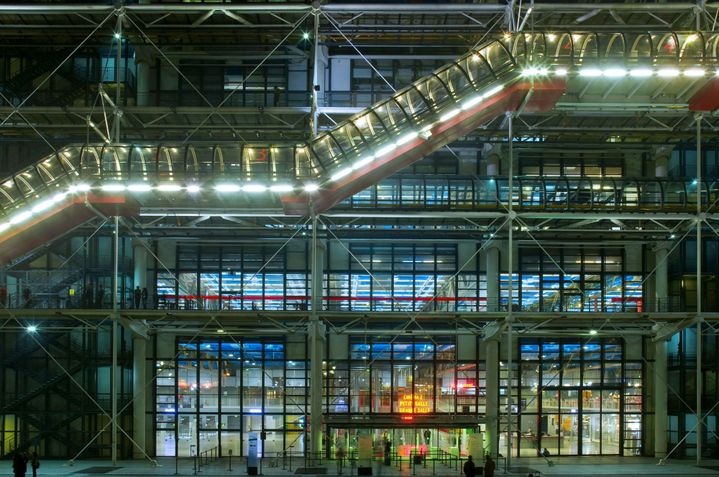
219	391
577	398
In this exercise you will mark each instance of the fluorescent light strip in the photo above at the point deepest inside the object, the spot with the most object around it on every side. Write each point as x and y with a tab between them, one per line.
42	206
226	188
641	72
385	150
470	103
113	187
590	72
341	173
21	217
311	187
560	72
407	138
362	162
169	187
493	91
253	188
449	115
668	73
694	72
5	226
79	188
139	187
281	188
193	189
615	72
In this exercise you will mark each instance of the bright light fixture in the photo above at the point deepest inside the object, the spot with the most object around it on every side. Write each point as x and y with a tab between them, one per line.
668	73
385	150
113	187
31	329
470	103
59	196
4	227
560	72
407	138
311	187
193	188
21	217
79	188
590	72
641	72
493	91
449	115
226	188
117	36
535	71
41	206
281	188
252	188
694	72
362	162
169	187
615	72
305	36
341	173
139	187
593	332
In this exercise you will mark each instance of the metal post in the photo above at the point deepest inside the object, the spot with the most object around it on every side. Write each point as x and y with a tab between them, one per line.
118	77
315	68
660	399
315	345
699	291
510	285
113	372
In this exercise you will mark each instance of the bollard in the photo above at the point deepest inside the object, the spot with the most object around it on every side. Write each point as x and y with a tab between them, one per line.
230	454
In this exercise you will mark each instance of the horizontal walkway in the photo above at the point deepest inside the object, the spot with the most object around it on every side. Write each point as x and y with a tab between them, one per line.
568	466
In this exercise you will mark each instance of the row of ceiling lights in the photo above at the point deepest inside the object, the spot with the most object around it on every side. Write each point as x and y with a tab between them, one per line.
618	72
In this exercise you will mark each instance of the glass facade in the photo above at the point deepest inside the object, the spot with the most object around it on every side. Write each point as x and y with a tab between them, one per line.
577	398
219	391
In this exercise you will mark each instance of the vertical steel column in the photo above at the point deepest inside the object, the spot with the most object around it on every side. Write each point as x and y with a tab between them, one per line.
492	394
113	371
118	77
699	290
139	401
510	286
660	399
315	346
315	68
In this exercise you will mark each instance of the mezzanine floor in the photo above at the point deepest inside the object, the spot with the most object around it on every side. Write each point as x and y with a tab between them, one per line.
565	466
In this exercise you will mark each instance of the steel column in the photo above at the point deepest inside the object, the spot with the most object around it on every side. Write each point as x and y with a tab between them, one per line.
699	291
114	373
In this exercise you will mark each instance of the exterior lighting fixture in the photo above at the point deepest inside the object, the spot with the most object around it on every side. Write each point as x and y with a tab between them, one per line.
281	188
694	72
220	330
169	188
226	188
386	150
449	115
362	162
407	138
253	188
58	197
311	187
470	103
672	236
139	187
44	205
21	217
31	329
551	37
79	188
560	72
590	72
341	173
117	36
615	72
193	188
534	71
113	187
593	332
5	226
493	91
641	72
668	73
305	36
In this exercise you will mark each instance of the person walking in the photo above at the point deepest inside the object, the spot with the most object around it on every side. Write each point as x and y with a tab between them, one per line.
144	298
19	464
489	466
34	463
469	468
137	296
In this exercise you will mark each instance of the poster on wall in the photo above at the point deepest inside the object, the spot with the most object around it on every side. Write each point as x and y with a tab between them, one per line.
364	453
476	446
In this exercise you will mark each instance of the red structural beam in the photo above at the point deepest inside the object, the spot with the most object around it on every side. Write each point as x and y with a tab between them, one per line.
707	98
42	228
528	96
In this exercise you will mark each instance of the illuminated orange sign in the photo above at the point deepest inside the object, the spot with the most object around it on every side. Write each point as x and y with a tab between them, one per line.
421	404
